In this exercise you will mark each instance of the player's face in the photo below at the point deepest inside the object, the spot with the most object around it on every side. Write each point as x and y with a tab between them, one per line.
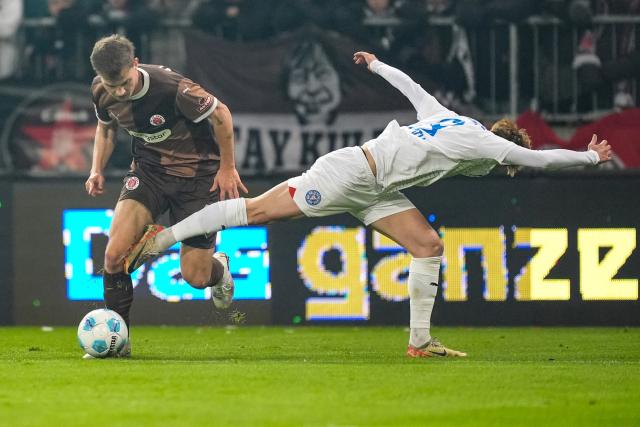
123	87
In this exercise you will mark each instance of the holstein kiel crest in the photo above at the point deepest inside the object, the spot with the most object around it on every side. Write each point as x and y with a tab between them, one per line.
156	120
313	197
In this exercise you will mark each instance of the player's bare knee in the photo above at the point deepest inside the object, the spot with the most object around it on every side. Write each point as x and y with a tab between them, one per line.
437	247
113	259
197	278
257	212
429	245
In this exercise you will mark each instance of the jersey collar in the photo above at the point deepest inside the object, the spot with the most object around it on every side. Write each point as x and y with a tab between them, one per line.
145	85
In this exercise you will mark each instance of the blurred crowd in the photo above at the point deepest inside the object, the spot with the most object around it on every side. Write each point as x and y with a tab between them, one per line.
569	58
57	32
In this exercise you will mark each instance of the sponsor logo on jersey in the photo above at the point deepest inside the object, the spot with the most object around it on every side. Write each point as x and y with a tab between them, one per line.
152	138
157	120
313	197
132	183
204	104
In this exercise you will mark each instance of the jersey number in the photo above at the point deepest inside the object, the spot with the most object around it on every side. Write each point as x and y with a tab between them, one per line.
434	128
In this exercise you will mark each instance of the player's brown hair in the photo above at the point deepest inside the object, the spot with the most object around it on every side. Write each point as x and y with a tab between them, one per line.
111	55
508	130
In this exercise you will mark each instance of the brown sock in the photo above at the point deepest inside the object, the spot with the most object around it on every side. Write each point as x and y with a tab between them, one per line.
118	293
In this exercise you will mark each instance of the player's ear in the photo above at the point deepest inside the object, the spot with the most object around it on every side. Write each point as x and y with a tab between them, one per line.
136	61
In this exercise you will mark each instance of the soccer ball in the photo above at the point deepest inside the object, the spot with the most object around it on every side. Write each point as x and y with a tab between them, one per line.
102	333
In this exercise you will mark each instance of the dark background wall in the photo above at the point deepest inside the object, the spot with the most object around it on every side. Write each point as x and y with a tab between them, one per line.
33	289
6	271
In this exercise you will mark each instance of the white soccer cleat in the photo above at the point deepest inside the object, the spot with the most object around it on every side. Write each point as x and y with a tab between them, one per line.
222	292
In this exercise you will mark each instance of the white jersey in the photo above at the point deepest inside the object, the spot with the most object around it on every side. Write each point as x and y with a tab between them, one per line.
443	144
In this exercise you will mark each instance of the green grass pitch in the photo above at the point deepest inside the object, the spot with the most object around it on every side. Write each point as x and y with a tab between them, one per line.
316	376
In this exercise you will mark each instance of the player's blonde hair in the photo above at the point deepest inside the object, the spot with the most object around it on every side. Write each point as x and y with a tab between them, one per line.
508	130
111	55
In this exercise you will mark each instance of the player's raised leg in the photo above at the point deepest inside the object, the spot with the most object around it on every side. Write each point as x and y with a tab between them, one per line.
411	230
273	205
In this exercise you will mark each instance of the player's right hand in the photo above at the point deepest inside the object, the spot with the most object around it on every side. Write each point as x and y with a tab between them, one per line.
364	57
602	148
95	184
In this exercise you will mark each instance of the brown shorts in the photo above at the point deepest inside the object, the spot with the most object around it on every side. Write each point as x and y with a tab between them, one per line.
180	196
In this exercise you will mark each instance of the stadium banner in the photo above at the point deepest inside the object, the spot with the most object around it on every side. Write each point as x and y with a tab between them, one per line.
60	235
296	98
547	250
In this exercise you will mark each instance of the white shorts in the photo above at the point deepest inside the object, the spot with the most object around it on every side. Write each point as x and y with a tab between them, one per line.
342	181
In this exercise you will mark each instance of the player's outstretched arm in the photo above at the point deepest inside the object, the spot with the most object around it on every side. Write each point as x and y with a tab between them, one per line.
425	104
597	152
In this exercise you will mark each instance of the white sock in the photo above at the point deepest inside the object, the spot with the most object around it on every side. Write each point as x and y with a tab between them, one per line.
423	287
210	219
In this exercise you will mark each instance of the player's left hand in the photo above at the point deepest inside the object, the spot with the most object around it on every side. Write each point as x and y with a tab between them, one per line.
228	181
364	58
602	148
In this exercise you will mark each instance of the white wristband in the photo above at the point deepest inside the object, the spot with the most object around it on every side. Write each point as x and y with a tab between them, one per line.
375	65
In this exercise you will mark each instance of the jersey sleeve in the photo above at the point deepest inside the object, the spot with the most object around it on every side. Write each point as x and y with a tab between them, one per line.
194	102
101	113
424	103
483	145
550	159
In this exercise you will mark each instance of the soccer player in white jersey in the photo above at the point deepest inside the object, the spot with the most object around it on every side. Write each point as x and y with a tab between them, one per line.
366	182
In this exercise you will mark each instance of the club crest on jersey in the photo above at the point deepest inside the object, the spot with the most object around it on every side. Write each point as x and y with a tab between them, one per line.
204	104
313	197
132	183
156	120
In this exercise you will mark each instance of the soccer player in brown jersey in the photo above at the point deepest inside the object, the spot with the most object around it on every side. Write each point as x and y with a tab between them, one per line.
183	159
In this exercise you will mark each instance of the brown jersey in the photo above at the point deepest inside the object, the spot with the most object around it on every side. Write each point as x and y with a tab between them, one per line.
167	120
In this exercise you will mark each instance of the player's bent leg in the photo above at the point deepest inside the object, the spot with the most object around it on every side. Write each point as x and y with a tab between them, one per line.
128	223
196	266
129	220
275	204
202	268
411	230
